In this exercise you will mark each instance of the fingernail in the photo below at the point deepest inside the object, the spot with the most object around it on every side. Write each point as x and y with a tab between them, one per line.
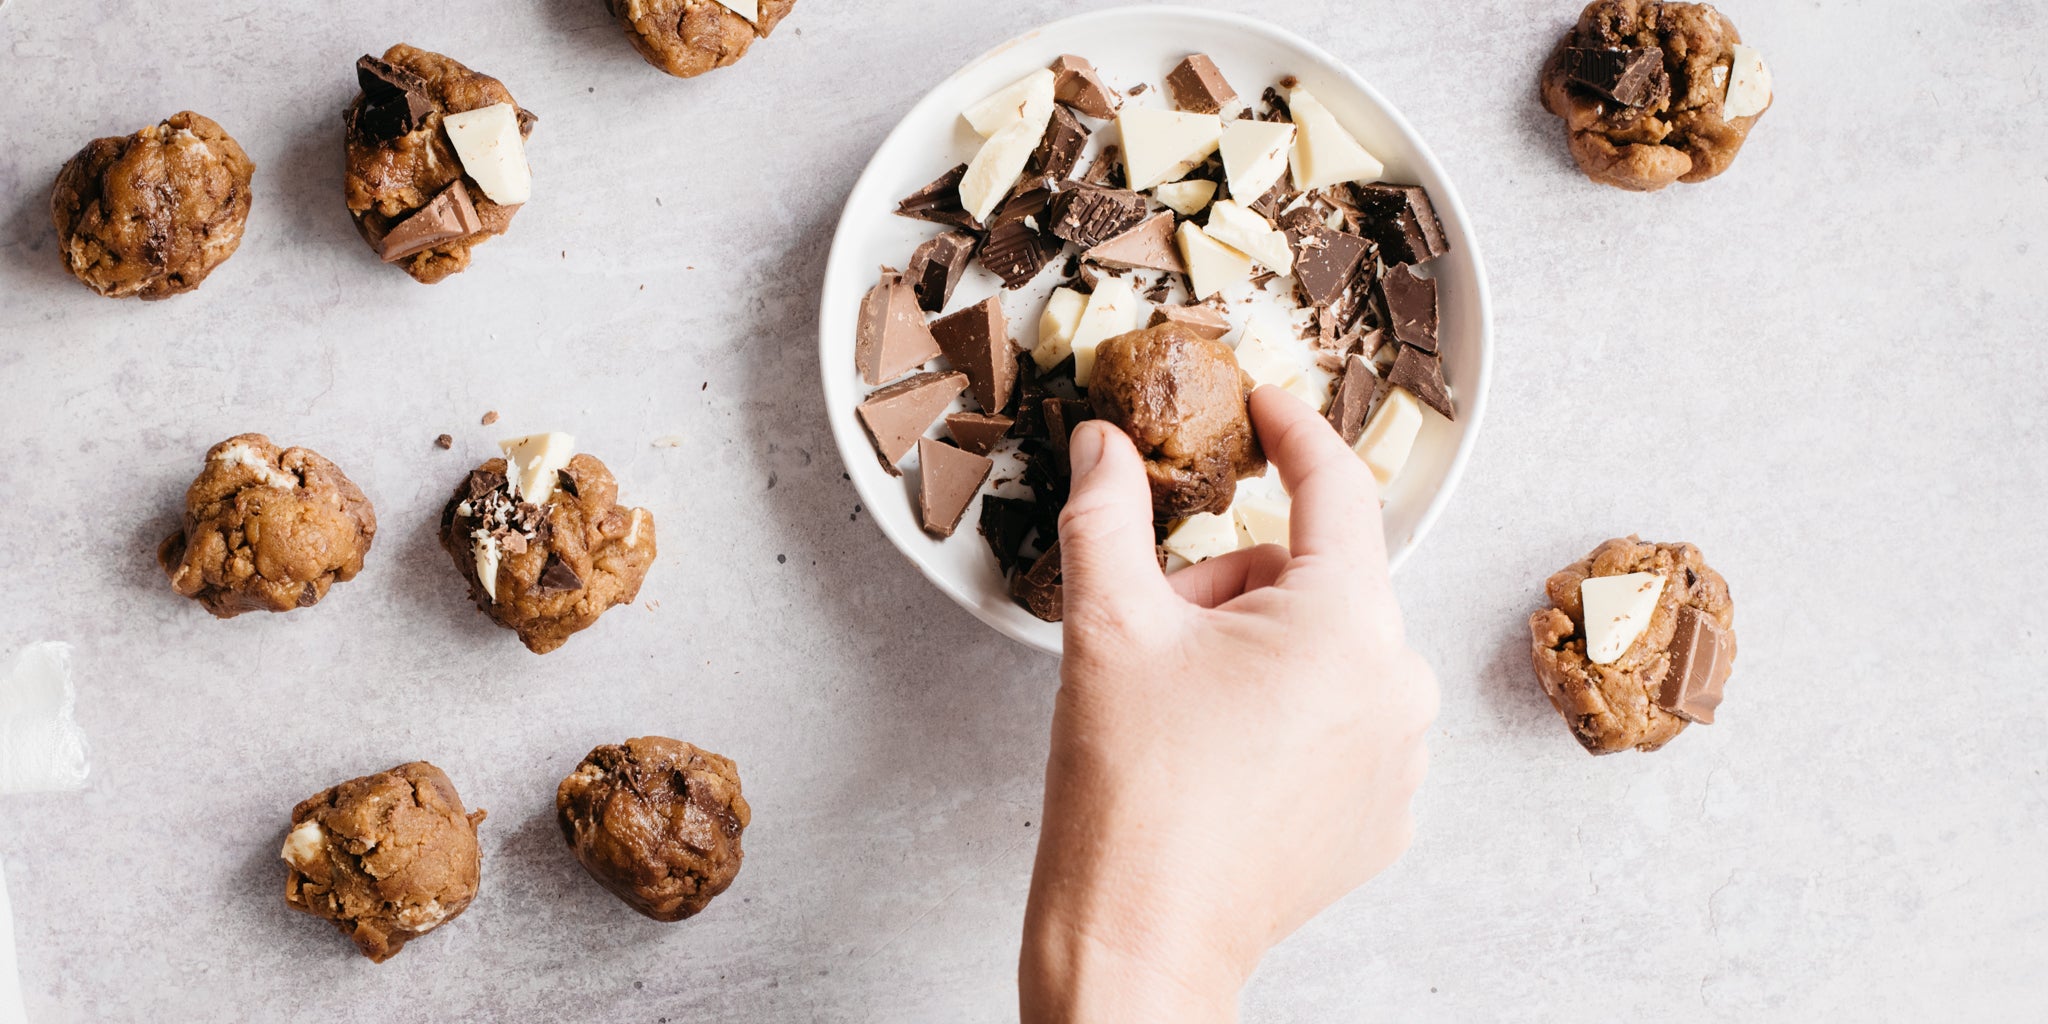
1084	450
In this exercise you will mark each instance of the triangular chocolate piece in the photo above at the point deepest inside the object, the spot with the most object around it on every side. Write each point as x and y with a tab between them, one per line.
1059	151
896	416
893	338
937	266
1356	390
1422	374
1325	261
978	432
1150	246
947	481
939	202
1205	321
976	341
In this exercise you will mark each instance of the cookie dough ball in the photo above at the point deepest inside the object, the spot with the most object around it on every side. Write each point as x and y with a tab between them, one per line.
267	529
151	214
388	857
1640	691
543	541
1681	121
656	821
689	37
1181	397
406	185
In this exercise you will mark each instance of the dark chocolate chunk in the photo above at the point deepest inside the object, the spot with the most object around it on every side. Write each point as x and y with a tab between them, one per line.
1090	214
1017	252
451	215
1039	589
1402	220
1197	85
947	481
394	101
1059	150
976	340
1005	524
1356	390
482	482
557	578
979	433
1276	198
565	482
1076	84
1632	78
1411	306
1107	170
937	266
939	202
1062	415
1422	374
1702	659
1276	107
1325	261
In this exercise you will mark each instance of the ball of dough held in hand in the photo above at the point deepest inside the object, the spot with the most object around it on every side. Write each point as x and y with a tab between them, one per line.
1181	398
151	214
657	822
686	38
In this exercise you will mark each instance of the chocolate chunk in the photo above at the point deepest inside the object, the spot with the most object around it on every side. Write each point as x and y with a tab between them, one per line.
1039	589
1059	150
1076	84
1702	659
1005	524
936	268
451	215
1632	78
1402	220
556	578
1325	261
1411	306
1197	85
444	442
976	341
1276	107
1062	415
892	338
565	482
1422	374
1090	215
394	100
896	416
1149	245
482	483
1276	198
979	433
939	202
1205	321
1017	252
947	481
1107	170
1356	390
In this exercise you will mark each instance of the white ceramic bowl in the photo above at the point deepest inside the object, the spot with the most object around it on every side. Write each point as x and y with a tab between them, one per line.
1129	45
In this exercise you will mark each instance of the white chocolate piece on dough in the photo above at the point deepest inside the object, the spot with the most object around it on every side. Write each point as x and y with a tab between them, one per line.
531	464
1241	228
1254	156
1027	99
1113	309
1203	536
488	555
1749	84
1390	436
493	153
1164	145
748	9
1056	327
242	455
1324	153
304	845
1212	266
1617	610
1186	198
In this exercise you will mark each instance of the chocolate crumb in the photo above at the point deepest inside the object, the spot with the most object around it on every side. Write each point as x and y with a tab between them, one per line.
444	442
1138	89
490	417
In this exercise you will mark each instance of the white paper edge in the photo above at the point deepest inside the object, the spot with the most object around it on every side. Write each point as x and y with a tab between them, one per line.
12	1009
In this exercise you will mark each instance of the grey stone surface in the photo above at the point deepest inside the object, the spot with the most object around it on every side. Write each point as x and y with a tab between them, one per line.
1826	368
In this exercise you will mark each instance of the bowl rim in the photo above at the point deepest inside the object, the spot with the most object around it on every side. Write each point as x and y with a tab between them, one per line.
1473	401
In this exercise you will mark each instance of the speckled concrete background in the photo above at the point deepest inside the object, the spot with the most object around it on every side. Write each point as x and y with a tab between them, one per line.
1826	368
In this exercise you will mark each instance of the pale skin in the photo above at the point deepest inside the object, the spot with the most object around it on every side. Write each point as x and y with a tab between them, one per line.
1234	747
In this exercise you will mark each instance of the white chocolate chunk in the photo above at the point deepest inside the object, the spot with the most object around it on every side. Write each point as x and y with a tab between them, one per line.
1113	309
531	464
1212	266
1261	356
1164	145
1241	228
1263	518
1254	156
1000	162
1027	99
1056	326
488	555
305	845
243	455
1390	436
1324	153
1618	610
1749	84
748	9
1186	198
1203	536
633	529
493	154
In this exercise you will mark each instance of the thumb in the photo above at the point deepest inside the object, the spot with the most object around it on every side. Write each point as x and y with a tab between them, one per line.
1108	561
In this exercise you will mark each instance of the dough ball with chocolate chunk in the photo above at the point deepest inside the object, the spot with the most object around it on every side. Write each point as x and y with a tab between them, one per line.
657	822
1181	397
1653	93
689	37
544	543
151	214
1638	641
414	199
388	857
267	529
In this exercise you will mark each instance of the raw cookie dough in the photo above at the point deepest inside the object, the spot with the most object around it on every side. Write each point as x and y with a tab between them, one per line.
1614	707
656	821
388	180
689	37
388	857
1679	134
267	529
556	566
151	214
1181	398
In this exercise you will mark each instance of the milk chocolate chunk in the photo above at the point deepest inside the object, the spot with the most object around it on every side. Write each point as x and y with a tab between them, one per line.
978	433
1702	658
1356	390
936	268
1402	220
449	216
1038	590
1149	245
1005	524
1325	261
1411	306
1076	84
1059	150
947	481
1422	374
939	202
1197	85
1204	321
1632	78
394	100
1091	214
976	340
896	416
892	338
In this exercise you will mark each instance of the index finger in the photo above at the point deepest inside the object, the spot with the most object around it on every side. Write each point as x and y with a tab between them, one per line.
1336	511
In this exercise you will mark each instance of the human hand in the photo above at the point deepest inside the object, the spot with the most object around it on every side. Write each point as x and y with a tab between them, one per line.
1233	748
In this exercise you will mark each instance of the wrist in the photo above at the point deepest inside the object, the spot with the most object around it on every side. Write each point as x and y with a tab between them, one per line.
1078	968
